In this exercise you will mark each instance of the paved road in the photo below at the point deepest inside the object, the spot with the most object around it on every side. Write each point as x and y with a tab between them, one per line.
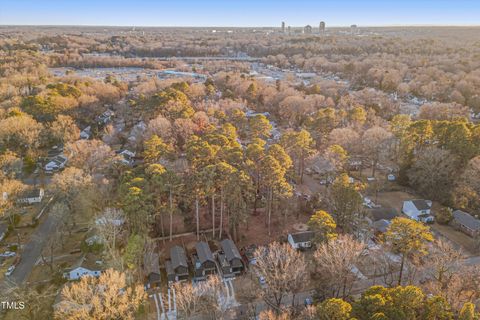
32	250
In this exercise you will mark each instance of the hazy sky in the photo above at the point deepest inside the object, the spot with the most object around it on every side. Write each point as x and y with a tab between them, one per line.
239	12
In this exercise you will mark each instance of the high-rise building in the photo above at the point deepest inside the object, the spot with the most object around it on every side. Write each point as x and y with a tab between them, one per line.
354	29
321	27
307	29
289	28
283	26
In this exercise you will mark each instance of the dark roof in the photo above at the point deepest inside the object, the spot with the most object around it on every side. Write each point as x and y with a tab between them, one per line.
230	249
302	236
151	263
3	228
32	193
178	257
381	225
421	204
466	220
383	213
203	252
168	267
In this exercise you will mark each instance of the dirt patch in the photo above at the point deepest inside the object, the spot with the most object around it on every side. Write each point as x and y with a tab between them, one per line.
310	186
256	231
458	238
393	199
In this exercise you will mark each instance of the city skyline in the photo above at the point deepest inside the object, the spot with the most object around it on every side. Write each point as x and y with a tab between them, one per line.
248	13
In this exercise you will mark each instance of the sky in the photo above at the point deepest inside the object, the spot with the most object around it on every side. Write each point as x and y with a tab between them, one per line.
239	13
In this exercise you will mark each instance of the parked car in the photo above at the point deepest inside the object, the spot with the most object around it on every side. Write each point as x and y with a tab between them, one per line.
308	302
9	271
7	254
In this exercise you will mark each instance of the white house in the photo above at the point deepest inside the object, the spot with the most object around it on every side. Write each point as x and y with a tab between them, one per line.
419	210
301	240
86	133
115	221
57	163
79	272
34	196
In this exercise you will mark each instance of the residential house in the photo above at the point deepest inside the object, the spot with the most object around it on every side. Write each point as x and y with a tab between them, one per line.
419	210
301	240
78	272
466	223
203	261
114	221
89	266
177	267
32	196
3	231
381	218
151	267
105	117
86	133
57	163
230	259
383	213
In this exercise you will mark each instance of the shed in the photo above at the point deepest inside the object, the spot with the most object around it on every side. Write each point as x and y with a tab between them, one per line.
466	223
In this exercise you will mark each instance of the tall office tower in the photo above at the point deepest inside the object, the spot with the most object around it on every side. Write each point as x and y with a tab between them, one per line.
283	26
321	27
289	30
354	29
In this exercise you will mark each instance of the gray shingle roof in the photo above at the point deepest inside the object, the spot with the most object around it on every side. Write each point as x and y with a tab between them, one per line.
151	263
381	225
466	219
421	204
178	257
230	249
383	213
303	236
32	193
203	252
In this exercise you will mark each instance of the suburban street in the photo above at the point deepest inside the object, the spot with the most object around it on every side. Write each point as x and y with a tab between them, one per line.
32	250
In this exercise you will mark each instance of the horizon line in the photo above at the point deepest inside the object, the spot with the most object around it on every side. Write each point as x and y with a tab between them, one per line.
235	27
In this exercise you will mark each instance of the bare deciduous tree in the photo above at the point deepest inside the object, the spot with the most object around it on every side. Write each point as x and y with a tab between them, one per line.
109	226
335	263
93	156
108	297
285	272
